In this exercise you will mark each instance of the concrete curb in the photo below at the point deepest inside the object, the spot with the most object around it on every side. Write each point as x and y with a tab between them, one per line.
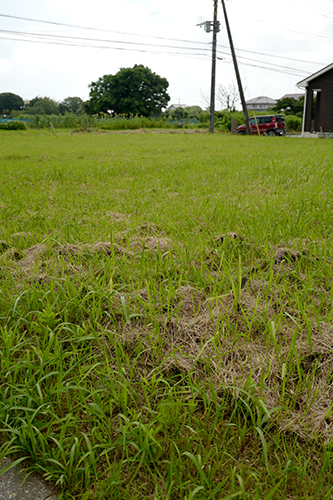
33	488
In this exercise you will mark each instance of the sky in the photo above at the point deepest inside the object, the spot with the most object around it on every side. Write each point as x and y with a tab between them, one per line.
277	45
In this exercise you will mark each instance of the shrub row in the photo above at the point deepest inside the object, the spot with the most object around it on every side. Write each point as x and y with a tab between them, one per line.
13	125
135	122
222	122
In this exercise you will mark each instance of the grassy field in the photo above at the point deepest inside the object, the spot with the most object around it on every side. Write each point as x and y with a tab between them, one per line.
166	314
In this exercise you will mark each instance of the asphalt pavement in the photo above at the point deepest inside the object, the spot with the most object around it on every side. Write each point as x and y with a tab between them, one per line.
15	485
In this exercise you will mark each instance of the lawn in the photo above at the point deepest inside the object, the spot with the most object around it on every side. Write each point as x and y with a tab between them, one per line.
166	314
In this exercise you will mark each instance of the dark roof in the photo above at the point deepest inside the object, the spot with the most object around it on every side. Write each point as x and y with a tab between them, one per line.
304	83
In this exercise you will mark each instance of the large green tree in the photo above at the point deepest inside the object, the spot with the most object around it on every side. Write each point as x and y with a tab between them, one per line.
71	105
10	102
42	106
136	91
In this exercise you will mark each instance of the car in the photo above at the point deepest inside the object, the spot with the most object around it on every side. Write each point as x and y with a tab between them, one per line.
267	124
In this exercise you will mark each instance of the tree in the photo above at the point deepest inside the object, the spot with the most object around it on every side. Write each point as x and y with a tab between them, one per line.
206	99
191	113
71	105
131	91
10	102
290	106
42	106
227	96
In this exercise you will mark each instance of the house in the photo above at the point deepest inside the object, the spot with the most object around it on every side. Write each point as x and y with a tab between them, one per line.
292	96
320	84
173	107
261	103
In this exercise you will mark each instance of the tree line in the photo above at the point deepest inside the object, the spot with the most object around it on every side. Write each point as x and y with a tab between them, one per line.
133	91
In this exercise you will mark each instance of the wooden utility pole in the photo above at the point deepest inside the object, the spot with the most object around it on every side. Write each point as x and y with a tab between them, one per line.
239	82
212	88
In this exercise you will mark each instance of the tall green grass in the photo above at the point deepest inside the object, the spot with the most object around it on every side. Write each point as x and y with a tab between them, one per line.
166	314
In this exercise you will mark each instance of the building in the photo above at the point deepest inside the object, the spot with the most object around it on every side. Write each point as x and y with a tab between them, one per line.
319	85
260	103
173	107
292	96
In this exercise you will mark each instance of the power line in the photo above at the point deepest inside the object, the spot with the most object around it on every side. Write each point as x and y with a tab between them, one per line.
163	38
178	54
274	56
64	39
48	42
271	64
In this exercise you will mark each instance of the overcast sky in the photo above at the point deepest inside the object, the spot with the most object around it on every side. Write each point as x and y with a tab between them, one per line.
277	43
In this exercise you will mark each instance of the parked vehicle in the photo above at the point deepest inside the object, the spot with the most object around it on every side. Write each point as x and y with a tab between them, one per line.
267	124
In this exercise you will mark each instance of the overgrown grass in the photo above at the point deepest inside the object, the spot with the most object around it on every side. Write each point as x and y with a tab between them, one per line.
103	122
166	314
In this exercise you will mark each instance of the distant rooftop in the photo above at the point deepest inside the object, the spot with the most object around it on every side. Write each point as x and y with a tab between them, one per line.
292	96
262	100
175	106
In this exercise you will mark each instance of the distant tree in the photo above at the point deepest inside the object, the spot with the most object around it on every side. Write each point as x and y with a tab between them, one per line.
227	96
71	105
136	91
290	106
206	99
10	102
187	113
42	106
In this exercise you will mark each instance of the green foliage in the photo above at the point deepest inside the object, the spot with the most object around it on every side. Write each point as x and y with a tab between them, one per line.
187	114
166	314
10	102
289	106
61	121
41	106
132	123
131	91
71	105
294	123
222	119
13	125
103	121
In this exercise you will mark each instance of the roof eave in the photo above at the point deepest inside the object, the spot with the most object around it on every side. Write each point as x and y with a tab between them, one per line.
305	83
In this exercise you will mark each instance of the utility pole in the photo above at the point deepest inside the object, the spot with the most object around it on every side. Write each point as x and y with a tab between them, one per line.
239	82
212	88
208	25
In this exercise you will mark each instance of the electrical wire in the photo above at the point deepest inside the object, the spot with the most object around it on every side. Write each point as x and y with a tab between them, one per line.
65	37
67	40
159	37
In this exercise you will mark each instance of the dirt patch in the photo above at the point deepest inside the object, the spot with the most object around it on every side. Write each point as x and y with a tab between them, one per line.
98	247
239	342
288	255
3	246
147	229
218	240
42	262
239	339
118	217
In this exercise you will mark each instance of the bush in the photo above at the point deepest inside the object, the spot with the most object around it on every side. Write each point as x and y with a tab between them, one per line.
294	123
124	123
69	120
13	125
